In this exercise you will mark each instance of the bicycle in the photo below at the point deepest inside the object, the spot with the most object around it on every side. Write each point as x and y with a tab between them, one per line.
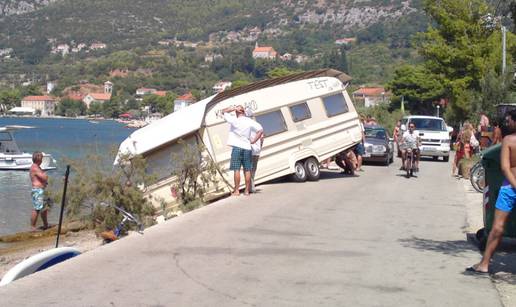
410	165
112	235
477	177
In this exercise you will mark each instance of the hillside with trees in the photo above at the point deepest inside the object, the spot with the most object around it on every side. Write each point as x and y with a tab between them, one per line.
183	46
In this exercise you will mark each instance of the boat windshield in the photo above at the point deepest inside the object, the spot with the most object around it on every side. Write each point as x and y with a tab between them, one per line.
4	136
432	124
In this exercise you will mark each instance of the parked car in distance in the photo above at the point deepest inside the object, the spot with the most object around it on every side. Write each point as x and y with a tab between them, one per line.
379	147
434	134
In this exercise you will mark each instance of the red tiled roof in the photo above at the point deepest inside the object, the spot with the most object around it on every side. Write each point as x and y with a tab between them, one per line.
187	96
38	98
160	93
75	96
100	96
369	91
263	49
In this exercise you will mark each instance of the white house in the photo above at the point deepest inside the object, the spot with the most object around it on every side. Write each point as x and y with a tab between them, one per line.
371	96
222	86
96	97
142	91
266	52
44	104
183	101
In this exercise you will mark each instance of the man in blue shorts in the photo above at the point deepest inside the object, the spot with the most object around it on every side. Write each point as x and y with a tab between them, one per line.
506	197
239	138
39	181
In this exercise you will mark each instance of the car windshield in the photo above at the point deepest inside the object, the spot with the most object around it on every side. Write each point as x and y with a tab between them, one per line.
377	133
432	124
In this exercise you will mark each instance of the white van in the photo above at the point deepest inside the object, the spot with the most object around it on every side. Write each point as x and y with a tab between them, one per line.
307	118
434	134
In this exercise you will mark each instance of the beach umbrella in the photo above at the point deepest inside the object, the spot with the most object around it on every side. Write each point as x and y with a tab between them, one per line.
402	105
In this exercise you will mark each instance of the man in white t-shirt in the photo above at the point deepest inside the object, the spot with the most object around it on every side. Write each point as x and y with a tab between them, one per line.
256	148
410	141
239	138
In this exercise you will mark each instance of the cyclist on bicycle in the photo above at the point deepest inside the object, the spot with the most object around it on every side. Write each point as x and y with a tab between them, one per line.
410	141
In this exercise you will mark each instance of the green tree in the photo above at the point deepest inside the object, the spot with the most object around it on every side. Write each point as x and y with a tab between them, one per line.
418	86
9	98
30	90
460	49
280	72
95	108
70	108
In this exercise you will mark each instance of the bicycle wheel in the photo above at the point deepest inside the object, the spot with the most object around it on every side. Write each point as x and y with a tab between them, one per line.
477	177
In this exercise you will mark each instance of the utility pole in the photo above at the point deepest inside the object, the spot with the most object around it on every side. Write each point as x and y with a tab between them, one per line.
504	34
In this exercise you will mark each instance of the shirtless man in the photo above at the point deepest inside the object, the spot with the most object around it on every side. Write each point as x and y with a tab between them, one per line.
506	197
39	181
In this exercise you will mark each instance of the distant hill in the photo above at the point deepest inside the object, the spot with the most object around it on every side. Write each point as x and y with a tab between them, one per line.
33	31
136	21
17	7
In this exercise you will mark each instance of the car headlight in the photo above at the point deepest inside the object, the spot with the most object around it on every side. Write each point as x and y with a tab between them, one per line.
445	141
379	149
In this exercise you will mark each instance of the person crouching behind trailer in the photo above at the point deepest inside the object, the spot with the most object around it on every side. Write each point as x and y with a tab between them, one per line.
256	148
240	140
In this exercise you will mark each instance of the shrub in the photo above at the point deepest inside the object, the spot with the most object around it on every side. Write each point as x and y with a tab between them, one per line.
92	189
195	172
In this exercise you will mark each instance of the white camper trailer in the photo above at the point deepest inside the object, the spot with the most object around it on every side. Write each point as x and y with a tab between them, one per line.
307	118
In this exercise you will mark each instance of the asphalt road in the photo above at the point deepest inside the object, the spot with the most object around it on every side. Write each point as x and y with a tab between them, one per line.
375	240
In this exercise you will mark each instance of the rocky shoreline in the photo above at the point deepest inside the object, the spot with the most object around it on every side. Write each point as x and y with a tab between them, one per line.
20	246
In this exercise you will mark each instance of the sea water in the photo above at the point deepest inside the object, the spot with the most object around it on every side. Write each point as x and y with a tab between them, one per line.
62	138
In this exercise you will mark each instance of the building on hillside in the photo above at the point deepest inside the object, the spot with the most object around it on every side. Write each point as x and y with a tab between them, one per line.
51	85
142	91
221	86
301	58
45	105
6	52
371	96
210	57
345	41
97	46
183	101
99	97
286	57
160	93
96	97
108	87
265	52
22	111
166	42
63	49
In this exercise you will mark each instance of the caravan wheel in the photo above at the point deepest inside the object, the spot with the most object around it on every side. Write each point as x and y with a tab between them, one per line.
299	172
312	169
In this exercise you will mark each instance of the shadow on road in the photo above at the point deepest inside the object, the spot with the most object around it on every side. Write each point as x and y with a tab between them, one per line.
452	248
503	264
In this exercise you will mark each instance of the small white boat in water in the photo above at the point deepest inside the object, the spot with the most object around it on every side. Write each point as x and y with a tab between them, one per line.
12	158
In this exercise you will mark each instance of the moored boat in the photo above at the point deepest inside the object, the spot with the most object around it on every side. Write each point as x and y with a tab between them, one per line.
12	158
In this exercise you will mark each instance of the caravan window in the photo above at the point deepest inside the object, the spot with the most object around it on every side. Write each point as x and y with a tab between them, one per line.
272	122
335	105
300	112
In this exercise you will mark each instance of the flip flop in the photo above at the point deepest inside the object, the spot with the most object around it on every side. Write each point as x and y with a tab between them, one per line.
473	271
